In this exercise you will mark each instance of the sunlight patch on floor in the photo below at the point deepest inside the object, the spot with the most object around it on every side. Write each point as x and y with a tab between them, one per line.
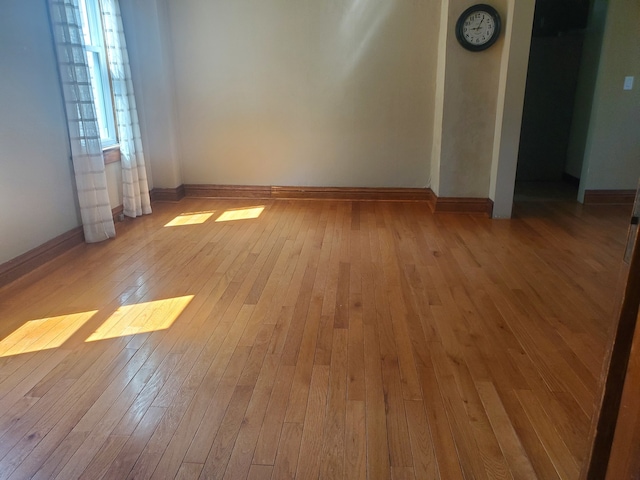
193	218
141	318
240	214
43	333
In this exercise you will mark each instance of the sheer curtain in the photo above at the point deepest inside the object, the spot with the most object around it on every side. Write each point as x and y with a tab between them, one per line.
84	135
134	175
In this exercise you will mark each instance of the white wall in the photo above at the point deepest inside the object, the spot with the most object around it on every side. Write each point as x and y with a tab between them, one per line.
149	47
36	186
113	172
612	153
587	77
281	92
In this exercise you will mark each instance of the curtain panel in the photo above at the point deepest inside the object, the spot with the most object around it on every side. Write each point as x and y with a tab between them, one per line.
135	189
84	134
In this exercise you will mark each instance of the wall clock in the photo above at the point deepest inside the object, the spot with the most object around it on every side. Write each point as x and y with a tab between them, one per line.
478	27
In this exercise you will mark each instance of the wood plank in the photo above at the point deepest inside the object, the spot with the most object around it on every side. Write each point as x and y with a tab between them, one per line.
314	424
260	472
333	448
245	443
424	459
218	458
267	445
100	463
563	461
135	445
356	441
513	450
287	457
538	455
449	466
378	463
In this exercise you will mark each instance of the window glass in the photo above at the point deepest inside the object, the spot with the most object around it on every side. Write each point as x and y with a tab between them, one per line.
98	69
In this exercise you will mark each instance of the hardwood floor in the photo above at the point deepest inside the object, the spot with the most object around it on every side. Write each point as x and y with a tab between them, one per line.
312	339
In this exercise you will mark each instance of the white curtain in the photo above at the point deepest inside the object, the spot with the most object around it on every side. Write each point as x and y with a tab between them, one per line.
84	135
135	189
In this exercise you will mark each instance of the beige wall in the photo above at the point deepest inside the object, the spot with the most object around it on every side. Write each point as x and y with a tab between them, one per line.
612	153
274	92
511	92
469	95
349	94
36	181
478	108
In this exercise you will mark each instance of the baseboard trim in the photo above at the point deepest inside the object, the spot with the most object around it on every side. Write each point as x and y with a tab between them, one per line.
167	194
463	205
609	197
469	206
353	193
228	191
309	193
118	217
117	211
29	261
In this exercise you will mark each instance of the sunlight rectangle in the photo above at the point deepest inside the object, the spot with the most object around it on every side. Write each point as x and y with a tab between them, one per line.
194	218
141	318
43	333
240	214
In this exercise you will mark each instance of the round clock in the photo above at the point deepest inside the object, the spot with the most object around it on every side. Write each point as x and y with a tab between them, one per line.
478	27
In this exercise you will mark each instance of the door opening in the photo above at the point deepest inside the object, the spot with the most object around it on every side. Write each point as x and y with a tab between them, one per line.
545	168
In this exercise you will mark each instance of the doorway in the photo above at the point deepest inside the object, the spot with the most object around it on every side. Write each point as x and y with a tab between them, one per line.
545	170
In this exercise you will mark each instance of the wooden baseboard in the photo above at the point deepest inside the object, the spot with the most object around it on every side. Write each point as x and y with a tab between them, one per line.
473	206
228	191
167	194
356	193
29	261
468	206
609	197
309	193
116	212
118	217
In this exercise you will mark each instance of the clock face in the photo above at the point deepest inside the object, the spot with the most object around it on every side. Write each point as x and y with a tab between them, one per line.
478	28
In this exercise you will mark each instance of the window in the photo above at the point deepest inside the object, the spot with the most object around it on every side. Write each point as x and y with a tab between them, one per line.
98	68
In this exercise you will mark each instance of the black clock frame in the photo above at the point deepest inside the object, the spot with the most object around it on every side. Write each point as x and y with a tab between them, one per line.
481	7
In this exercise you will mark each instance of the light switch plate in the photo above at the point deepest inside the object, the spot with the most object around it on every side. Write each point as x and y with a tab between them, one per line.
628	83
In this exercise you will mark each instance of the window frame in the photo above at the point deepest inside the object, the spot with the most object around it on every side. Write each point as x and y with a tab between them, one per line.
93	35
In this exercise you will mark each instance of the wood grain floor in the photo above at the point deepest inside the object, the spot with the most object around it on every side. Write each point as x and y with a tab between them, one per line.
312	339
